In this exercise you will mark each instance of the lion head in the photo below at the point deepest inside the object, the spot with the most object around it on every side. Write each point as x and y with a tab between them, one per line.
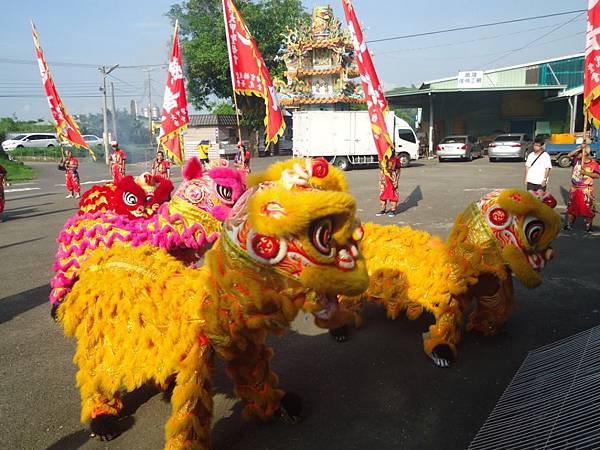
214	191
514	228
290	225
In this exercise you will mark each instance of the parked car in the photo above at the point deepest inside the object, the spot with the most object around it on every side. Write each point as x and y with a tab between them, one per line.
92	139
510	146
30	140
459	147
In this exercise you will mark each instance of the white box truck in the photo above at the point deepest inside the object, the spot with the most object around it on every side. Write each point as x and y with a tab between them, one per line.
344	138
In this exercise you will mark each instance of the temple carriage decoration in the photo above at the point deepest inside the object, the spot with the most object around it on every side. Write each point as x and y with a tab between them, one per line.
320	66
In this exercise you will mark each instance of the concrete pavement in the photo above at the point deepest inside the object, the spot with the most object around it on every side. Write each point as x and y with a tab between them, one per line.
376	391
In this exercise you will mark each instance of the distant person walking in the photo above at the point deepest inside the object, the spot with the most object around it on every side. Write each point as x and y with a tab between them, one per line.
161	167
117	162
388	187
242	159
581	197
537	167
70	165
3	181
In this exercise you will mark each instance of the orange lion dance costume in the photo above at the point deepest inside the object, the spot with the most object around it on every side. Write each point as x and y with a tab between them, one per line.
140	315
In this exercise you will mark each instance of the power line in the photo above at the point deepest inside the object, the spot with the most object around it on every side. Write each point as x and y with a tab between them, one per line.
451	44
510	52
72	64
471	27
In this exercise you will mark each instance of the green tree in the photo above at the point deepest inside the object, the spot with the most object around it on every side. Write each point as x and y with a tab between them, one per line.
204	45
222	108
205	50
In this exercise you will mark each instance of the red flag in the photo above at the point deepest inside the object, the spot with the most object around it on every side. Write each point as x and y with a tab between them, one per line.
249	74
591	80
376	101
66	128
174	112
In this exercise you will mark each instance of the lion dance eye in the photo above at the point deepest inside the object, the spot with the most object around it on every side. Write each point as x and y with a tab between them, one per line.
130	199
226	193
321	235
534	228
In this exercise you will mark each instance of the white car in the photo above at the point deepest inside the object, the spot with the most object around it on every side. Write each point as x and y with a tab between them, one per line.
459	147
92	139
30	140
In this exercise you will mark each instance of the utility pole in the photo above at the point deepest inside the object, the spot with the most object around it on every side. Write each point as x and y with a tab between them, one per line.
114	111
103	73
150	108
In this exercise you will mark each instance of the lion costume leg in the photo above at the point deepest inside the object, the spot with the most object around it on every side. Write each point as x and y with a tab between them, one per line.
494	300
254	382
444	335
191	402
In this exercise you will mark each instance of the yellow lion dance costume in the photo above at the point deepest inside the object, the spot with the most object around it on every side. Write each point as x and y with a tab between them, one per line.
410	270
140	315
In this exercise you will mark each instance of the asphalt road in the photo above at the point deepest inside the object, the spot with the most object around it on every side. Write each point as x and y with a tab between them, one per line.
376	391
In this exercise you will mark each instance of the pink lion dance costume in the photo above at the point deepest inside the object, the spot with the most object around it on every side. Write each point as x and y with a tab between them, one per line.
186	226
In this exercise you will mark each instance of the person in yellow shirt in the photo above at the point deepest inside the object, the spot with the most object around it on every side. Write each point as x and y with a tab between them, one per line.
202	149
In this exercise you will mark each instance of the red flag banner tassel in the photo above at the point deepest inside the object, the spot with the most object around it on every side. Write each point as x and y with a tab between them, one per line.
376	101
66	128
174	118
249	73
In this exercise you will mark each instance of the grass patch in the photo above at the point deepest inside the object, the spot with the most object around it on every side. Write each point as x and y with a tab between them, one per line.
50	153
17	171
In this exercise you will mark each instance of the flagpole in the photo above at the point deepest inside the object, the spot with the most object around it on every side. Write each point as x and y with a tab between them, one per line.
237	115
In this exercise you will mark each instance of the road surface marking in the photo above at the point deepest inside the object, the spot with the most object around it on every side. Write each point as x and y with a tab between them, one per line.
87	182
21	189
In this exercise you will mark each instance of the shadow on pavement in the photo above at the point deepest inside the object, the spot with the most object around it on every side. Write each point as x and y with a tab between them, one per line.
21	242
29	206
10	215
11	307
564	193
73	440
412	200
10	199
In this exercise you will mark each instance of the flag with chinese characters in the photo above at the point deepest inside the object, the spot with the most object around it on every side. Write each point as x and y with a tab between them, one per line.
174	117
591	80
376	101
249	74
66	129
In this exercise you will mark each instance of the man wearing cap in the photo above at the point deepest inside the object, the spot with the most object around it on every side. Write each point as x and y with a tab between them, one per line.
117	162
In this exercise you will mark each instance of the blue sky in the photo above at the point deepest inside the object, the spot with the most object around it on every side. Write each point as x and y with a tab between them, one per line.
137	32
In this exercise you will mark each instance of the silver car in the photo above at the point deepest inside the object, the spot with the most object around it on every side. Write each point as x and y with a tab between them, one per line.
30	140
458	147
510	146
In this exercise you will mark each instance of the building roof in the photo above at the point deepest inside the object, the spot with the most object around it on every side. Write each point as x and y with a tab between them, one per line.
518	66
562	74
212	120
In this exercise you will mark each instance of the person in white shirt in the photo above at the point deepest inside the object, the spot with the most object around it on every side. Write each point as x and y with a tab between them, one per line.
537	167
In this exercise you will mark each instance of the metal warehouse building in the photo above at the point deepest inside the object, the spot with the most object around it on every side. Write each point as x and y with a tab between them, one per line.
541	97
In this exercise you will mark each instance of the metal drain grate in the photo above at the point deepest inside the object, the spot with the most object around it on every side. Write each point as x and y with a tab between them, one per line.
553	401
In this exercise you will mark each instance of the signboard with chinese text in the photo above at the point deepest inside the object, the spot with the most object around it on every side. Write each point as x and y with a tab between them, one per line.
471	79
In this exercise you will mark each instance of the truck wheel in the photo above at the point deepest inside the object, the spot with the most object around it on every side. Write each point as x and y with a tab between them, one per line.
342	163
404	159
563	161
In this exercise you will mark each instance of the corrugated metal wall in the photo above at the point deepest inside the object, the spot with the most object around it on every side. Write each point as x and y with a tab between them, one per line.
568	71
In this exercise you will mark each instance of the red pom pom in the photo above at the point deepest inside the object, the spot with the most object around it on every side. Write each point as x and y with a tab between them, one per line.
549	200
266	247
320	168
498	216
